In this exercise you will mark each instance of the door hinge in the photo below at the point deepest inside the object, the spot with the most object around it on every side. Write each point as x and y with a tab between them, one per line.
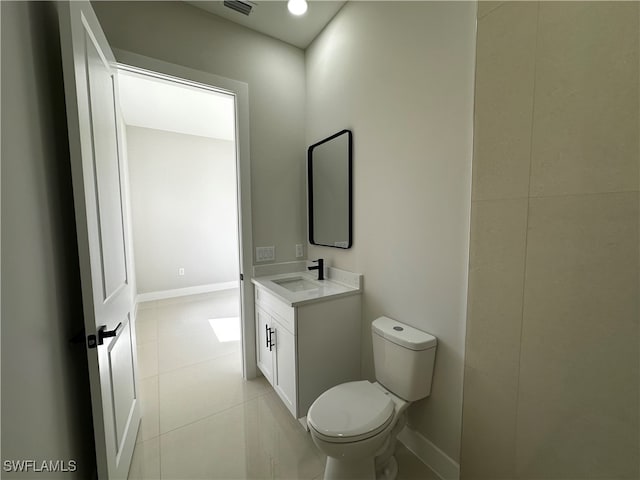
241	277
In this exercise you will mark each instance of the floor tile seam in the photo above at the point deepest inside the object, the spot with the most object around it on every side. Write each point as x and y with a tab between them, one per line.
190	331
147	440
277	462
200	362
176	301
225	410
157	361
194	297
199	303
180	336
197	316
221	311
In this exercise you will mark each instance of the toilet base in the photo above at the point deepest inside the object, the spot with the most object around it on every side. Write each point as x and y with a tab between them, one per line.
390	470
386	464
340	469
359	470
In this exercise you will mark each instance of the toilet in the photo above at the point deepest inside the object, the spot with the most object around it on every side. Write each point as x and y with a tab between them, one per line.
356	424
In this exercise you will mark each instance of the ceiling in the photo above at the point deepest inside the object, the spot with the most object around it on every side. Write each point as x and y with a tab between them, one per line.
161	105
272	18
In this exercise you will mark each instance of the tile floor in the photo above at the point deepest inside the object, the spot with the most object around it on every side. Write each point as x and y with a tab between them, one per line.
201	420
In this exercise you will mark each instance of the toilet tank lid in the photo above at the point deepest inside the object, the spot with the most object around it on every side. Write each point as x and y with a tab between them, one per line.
403	335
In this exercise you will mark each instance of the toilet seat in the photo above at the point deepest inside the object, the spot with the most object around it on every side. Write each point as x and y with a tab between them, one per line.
350	412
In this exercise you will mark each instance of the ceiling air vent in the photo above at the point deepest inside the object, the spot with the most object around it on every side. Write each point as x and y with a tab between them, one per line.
239	6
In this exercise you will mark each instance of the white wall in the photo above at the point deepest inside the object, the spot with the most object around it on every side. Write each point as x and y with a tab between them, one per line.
46	410
274	71
184	209
400	75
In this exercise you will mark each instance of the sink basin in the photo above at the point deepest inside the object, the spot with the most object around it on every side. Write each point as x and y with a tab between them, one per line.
296	284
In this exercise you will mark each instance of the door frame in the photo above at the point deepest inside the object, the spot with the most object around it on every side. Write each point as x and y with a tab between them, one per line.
168	71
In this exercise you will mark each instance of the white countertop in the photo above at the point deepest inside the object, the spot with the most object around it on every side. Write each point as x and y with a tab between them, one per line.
329	288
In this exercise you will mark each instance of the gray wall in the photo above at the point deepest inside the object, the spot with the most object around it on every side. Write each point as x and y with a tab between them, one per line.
46	411
182	34
183	207
551	374
400	75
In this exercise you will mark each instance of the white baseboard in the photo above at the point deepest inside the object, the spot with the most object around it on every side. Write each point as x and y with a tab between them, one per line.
181	292
432	456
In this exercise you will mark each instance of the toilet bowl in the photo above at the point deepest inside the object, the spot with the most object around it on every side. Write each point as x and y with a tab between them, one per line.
352	424
356	423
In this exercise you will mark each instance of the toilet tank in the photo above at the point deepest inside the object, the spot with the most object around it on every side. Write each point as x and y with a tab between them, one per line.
403	357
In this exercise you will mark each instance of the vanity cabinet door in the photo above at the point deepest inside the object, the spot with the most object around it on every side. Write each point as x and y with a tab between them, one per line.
264	352
284	381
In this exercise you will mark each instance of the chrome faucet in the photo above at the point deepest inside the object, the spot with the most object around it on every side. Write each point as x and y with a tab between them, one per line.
319	267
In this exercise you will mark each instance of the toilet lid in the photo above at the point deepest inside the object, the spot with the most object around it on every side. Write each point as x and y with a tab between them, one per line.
351	410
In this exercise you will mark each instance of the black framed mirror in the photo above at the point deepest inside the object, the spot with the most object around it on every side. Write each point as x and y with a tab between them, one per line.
329	172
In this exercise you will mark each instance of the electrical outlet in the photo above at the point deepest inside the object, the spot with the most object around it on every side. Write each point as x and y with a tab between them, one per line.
181	272
264	254
299	251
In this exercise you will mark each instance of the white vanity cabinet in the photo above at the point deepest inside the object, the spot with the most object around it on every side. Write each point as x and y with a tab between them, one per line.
307	348
276	354
264	347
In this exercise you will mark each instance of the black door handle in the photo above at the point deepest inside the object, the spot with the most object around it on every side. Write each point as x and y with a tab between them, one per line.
104	333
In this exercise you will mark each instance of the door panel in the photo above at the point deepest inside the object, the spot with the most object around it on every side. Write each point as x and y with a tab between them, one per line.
109	209
285	368
123	387
96	167
263	353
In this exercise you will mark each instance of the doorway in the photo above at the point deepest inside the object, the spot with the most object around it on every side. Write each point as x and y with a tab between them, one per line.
180	147
224	133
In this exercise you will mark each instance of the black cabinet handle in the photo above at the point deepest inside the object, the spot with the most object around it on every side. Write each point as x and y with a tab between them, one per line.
267	336
271	344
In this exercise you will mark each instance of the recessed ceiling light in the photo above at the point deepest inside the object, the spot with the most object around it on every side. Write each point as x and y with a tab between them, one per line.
297	7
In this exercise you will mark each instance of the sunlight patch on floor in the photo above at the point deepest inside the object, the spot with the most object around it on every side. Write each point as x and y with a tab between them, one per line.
226	329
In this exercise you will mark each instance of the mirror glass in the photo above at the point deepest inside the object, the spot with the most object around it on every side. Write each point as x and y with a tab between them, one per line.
329	188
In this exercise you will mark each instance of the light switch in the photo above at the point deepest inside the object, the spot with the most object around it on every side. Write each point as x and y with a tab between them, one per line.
264	254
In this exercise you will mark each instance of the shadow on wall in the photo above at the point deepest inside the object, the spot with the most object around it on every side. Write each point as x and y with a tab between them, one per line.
46	409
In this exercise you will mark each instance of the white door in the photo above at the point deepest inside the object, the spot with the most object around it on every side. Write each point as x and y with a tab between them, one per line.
96	164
